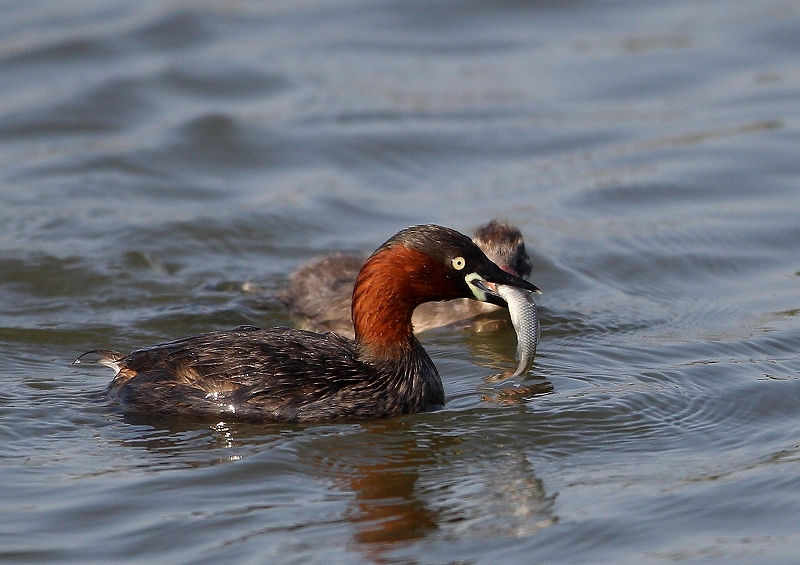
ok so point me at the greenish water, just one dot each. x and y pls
(165, 166)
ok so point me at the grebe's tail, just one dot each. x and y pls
(105, 357)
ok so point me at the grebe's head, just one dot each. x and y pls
(503, 244)
(420, 264)
(438, 263)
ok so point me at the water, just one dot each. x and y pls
(166, 165)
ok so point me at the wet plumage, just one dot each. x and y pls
(256, 374)
(282, 374)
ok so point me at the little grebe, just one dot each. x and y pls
(282, 374)
(319, 293)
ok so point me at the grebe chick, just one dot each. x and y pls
(283, 374)
(320, 292)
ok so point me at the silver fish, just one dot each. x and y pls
(526, 323)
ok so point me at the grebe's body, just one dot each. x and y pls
(254, 374)
(319, 293)
(294, 375)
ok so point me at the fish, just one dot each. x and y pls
(525, 320)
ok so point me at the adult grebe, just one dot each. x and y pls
(319, 293)
(282, 374)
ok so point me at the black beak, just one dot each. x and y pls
(492, 277)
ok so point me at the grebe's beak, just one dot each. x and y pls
(484, 287)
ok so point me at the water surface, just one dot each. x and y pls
(165, 166)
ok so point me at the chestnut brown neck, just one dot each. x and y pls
(391, 284)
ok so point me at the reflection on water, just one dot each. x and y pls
(513, 393)
(497, 496)
(165, 166)
(413, 483)
(401, 481)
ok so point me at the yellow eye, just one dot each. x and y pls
(458, 263)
